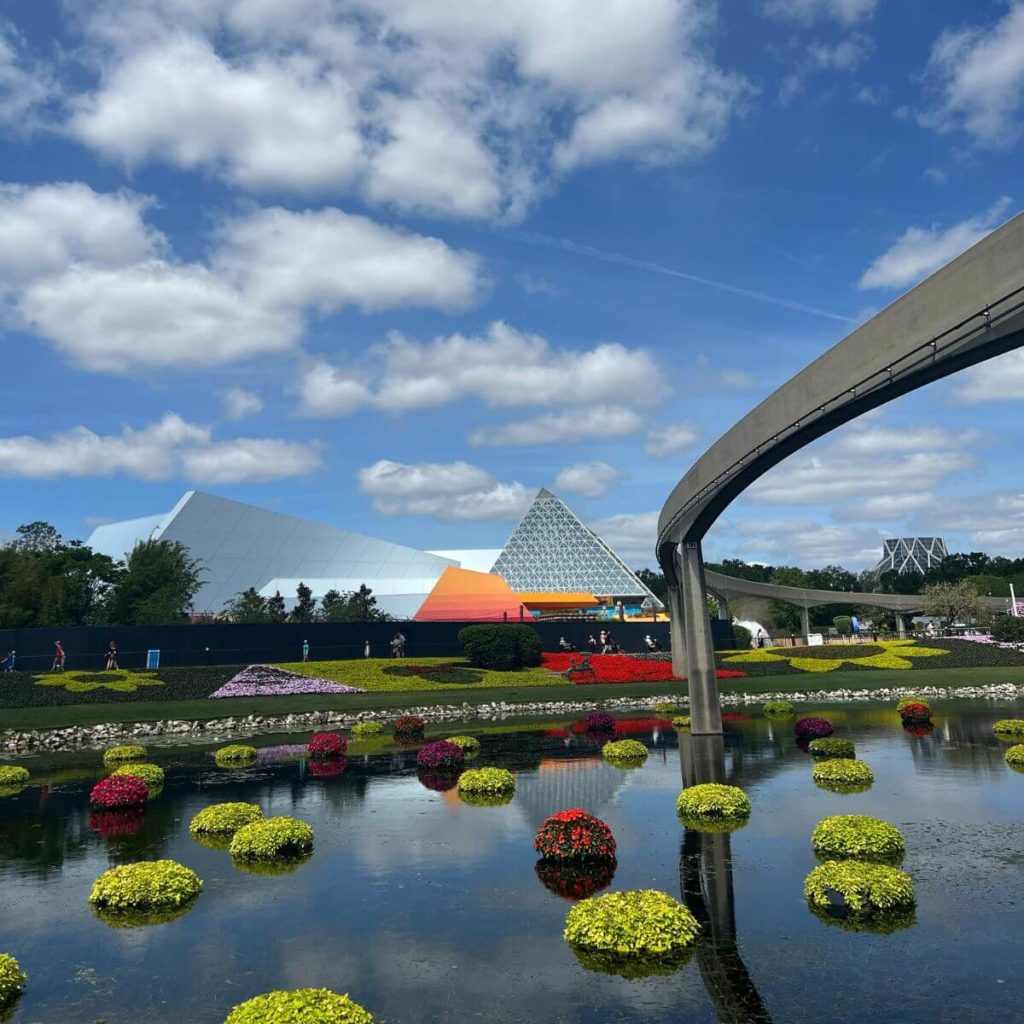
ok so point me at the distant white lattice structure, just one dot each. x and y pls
(552, 552)
(911, 554)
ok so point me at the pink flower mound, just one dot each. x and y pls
(327, 744)
(268, 681)
(119, 791)
(440, 755)
(813, 728)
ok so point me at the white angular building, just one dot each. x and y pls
(911, 554)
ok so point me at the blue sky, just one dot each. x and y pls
(394, 265)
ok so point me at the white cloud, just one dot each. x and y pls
(591, 479)
(710, 376)
(239, 403)
(455, 491)
(85, 272)
(631, 536)
(270, 124)
(846, 12)
(555, 428)
(326, 259)
(999, 378)
(443, 108)
(806, 543)
(170, 447)
(46, 228)
(503, 367)
(870, 441)
(920, 251)
(24, 87)
(844, 56)
(977, 75)
(668, 440)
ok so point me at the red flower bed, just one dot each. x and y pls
(327, 744)
(326, 767)
(576, 880)
(574, 834)
(111, 824)
(918, 728)
(408, 726)
(915, 712)
(440, 756)
(621, 668)
(117, 791)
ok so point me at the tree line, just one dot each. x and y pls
(46, 580)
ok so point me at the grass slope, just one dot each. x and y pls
(147, 711)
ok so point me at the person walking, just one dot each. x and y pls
(305, 650)
(398, 646)
(58, 657)
(366, 648)
(9, 661)
(112, 656)
(592, 644)
(604, 641)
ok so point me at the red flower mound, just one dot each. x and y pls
(918, 728)
(327, 744)
(439, 782)
(621, 668)
(813, 728)
(326, 767)
(408, 725)
(915, 712)
(599, 721)
(111, 824)
(440, 756)
(117, 791)
(576, 880)
(574, 835)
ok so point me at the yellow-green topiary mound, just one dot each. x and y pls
(235, 755)
(470, 744)
(858, 837)
(12, 977)
(361, 730)
(843, 772)
(710, 804)
(1009, 727)
(272, 837)
(147, 885)
(223, 819)
(300, 1006)
(151, 774)
(625, 753)
(667, 708)
(487, 782)
(13, 775)
(1015, 756)
(865, 889)
(634, 933)
(124, 753)
(681, 722)
(832, 746)
(778, 708)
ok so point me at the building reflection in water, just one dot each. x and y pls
(705, 878)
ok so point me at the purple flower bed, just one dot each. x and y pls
(280, 753)
(811, 728)
(440, 755)
(266, 681)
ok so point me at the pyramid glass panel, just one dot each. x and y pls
(911, 554)
(551, 551)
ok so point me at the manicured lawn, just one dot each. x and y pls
(145, 711)
(399, 675)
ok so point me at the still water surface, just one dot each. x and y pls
(424, 909)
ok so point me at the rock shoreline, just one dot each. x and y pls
(36, 741)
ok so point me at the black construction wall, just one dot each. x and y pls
(225, 644)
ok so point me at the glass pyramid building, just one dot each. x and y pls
(551, 551)
(911, 554)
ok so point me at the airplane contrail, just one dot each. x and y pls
(629, 261)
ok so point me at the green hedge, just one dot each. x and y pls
(154, 885)
(272, 837)
(224, 818)
(11, 979)
(858, 837)
(502, 646)
(1008, 629)
(832, 746)
(842, 772)
(867, 889)
(710, 802)
(630, 753)
(309, 1005)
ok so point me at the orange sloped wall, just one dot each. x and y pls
(464, 594)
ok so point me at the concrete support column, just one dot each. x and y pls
(805, 622)
(705, 708)
(676, 629)
(901, 626)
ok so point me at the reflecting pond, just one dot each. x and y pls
(424, 909)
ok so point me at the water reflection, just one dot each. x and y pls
(705, 880)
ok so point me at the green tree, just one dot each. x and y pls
(38, 537)
(305, 604)
(952, 602)
(249, 606)
(159, 581)
(654, 581)
(358, 606)
(332, 606)
(275, 608)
